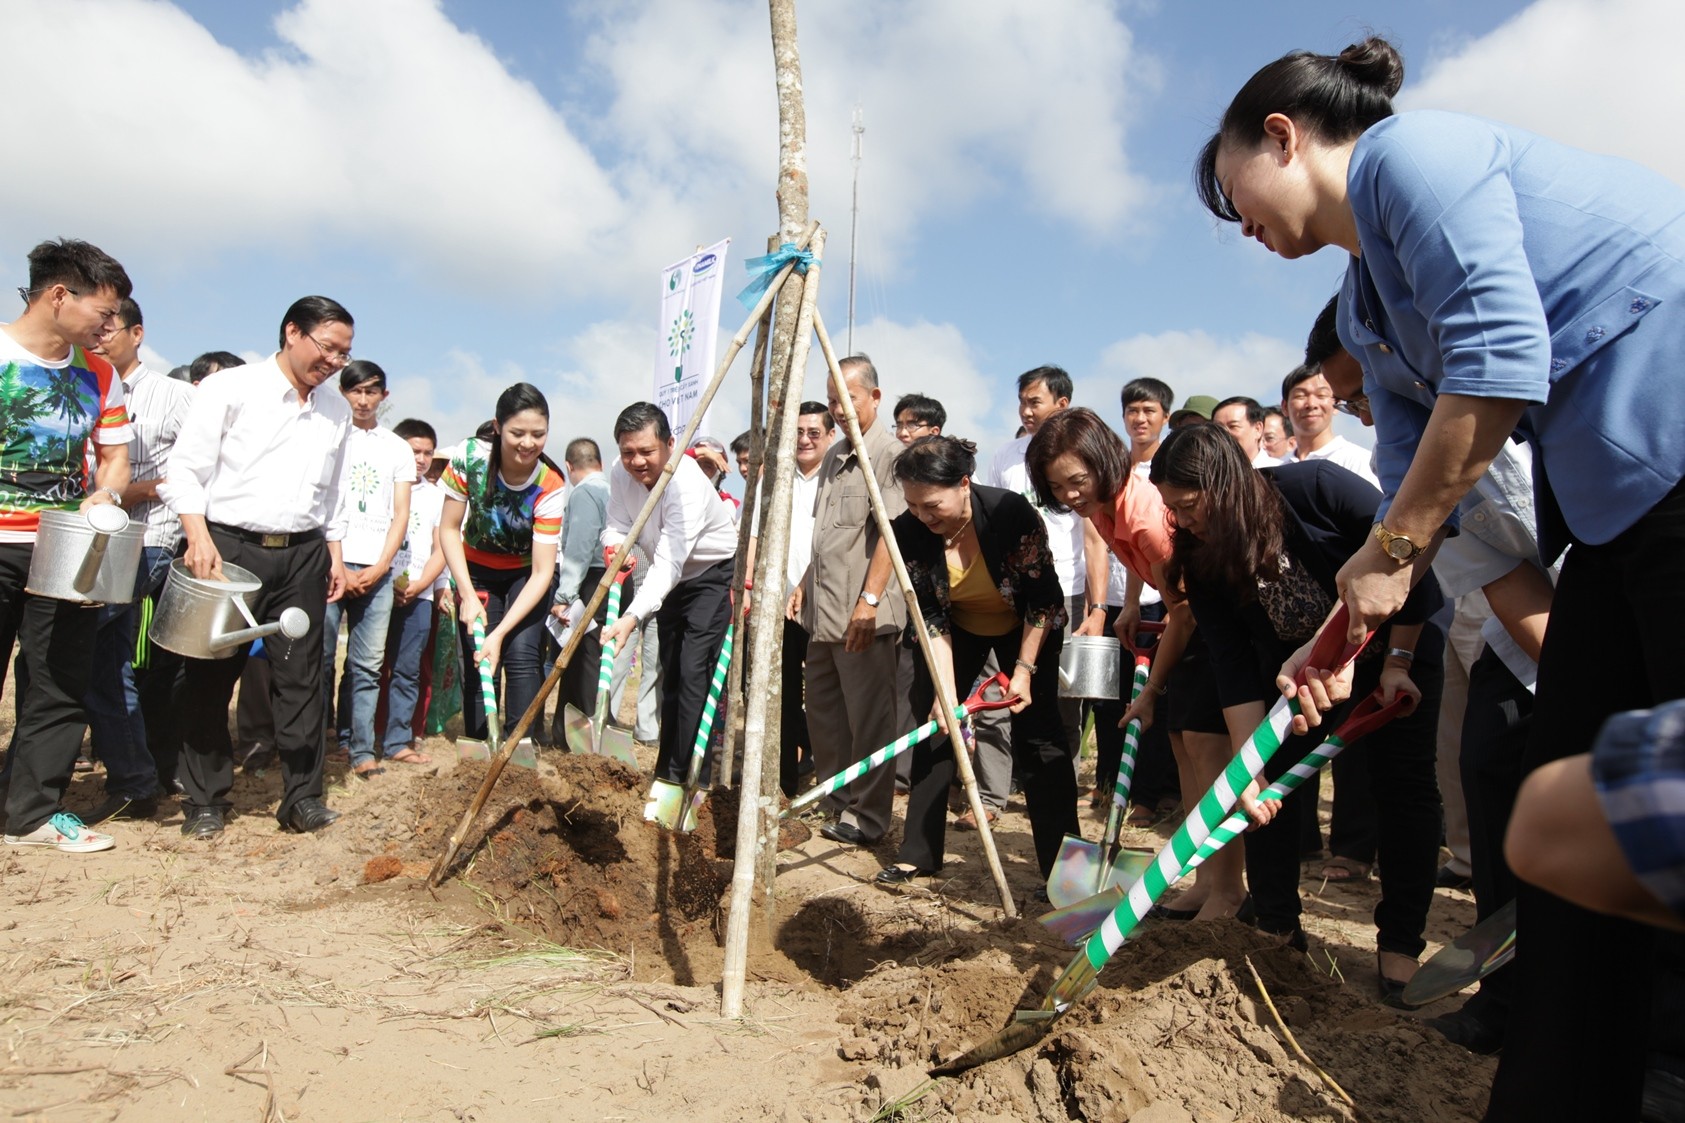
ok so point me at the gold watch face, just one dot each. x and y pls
(1401, 548)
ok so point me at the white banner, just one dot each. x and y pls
(690, 319)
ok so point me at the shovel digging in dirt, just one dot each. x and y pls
(593, 734)
(1466, 960)
(1076, 922)
(1082, 974)
(671, 806)
(981, 699)
(1082, 867)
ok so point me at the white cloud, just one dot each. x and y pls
(1578, 71)
(381, 125)
(932, 359)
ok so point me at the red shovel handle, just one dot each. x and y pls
(1331, 648)
(1369, 715)
(1002, 699)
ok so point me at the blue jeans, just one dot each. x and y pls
(406, 639)
(359, 688)
(115, 723)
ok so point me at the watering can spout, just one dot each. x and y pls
(294, 622)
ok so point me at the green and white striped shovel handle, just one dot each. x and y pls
(980, 699)
(488, 689)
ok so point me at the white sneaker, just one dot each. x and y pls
(65, 832)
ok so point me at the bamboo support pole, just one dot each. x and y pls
(732, 743)
(495, 767)
(962, 758)
(757, 818)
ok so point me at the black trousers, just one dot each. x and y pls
(520, 661)
(691, 622)
(1396, 764)
(578, 687)
(1495, 730)
(1574, 1045)
(57, 637)
(1041, 754)
(792, 715)
(292, 576)
(1155, 764)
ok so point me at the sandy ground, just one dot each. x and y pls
(569, 971)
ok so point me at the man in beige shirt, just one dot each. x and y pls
(843, 602)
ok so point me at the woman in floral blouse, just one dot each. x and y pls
(980, 564)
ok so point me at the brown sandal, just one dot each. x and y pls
(1344, 870)
(409, 755)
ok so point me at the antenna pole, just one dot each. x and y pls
(856, 151)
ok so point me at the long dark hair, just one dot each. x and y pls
(1242, 540)
(517, 399)
(1336, 96)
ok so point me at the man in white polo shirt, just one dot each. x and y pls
(1309, 403)
(255, 479)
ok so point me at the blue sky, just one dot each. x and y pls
(493, 187)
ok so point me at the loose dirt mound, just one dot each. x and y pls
(566, 853)
(1177, 1032)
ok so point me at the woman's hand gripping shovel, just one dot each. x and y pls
(593, 734)
(991, 694)
(1083, 972)
(1084, 868)
(1075, 923)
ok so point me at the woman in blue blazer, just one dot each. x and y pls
(1498, 283)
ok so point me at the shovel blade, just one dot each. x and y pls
(1075, 923)
(1466, 960)
(667, 807)
(1021, 1034)
(577, 729)
(1077, 871)
(617, 744)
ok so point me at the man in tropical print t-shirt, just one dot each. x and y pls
(64, 437)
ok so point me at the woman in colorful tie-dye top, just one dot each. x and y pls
(502, 522)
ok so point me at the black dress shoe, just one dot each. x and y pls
(894, 876)
(116, 807)
(203, 822)
(309, 815)
(1447, 878)
(845, 832)
(1462, 1027)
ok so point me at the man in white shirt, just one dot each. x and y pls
(418, 569)
(1079, 557)
(1278, 435)
(377, 474)
(1243, 417)
(691, 542)
(117, 727)
(45, 356)
(255, 479)
(1309, 404)
(815, 430)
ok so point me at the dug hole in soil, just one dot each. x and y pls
(1177, 1032)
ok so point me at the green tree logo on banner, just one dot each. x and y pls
(678, 341)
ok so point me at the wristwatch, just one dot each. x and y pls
(871, 599)
(1398, 547)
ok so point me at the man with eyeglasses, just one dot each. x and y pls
(917, 415)
(61, 406)
(255, 478)
(1310, 405)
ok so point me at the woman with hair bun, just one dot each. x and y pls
(1501, 283)
(501, 525)
(981, 566)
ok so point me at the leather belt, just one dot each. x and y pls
(266, 539)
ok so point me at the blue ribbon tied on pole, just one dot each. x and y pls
(764, 269)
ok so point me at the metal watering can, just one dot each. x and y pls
(1090, 667)
(203, 619)
(90, 557)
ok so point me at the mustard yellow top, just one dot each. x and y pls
(975, 604)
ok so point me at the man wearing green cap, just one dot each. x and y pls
(1199, 406)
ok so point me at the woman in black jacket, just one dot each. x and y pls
(1257, 551)
(980, 564)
